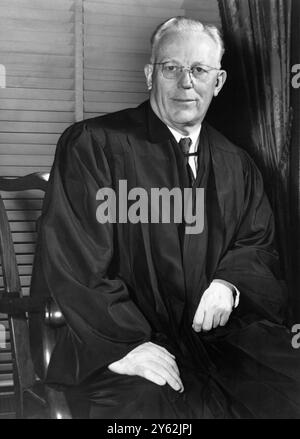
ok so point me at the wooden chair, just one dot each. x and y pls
(30, 390)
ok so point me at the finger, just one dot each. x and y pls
(208, 320)
(162, 349)
(198, 319)
(171, 362)
(224, 318)
(165, 356)
(152, 376)
(167, 373)
(172, 371)
(216, 320)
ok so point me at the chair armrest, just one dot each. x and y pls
(53, 315)
(59, 408)
(53, 319)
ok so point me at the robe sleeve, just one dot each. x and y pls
(75, 254)
(251, 262)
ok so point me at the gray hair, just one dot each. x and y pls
(181, 24)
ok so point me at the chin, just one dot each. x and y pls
(188, 118)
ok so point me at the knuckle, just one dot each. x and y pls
(166, 352)
(174, 364)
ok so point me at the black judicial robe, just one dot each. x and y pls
(120, 285)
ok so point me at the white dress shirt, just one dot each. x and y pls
(194, 136)
(193, 162)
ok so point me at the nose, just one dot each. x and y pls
(185, 79)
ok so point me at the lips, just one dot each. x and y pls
(184, 101)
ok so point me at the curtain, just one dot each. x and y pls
(255, 111)
(295, 151)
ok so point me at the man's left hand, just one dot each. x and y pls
(214, 308)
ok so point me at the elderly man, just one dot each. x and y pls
(162, 323)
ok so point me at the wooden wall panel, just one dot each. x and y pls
(116, 47)
(37, 49)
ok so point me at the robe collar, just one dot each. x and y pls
(157, 130)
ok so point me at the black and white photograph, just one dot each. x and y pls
(149, 212)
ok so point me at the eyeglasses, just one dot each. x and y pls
(173, 71)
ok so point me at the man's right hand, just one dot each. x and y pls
(152, 362)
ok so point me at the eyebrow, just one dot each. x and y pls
(172, 60)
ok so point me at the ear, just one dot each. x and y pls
(148, 70)
(220, 81)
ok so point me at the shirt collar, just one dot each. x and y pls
(194, 136)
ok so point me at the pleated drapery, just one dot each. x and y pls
(257, 37)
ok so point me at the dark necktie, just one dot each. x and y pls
(185, 144)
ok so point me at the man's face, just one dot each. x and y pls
(182, 102)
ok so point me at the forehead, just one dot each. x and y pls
(187, 46)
